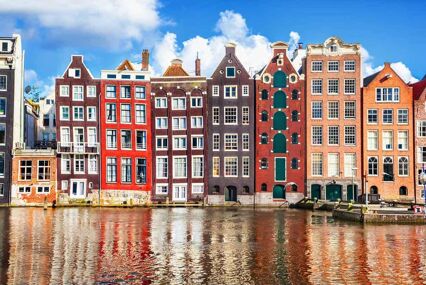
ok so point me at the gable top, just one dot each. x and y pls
(77, 62)
(126, 65)
(384, 74)
(279, 45)
(230, 55)
(175, 69)
(343, 48)
(418, 88)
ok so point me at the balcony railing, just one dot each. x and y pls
(78, 148)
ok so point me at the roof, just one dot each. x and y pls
(175, 69)
(370, 78)
(418, 88)
(126, 65)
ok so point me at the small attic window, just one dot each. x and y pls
(333, 48)
(125, 76)
(140, 77)
(111, 76)
(4, 46)
(230, 71)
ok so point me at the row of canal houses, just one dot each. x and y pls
(307, 124)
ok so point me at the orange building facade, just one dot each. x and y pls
(388, 136)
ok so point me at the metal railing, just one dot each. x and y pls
(78, 147)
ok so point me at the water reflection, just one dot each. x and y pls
(203, 246)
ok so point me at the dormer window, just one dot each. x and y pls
(74, 72)
(230, 72)
(4, 46)
(111, 76)
(333, 48)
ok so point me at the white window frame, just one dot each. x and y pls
(194, 124)
(162, 146)
(193, 166)
(62, 88)
(162, 119)
(174, 147)
(61, 111)
(159, 101)
(215, 90)
(157, 169)
(73, 113)
(74, 87)
(91, 91)
(234, 158)
(245, 90)
(95, 118)
(232, 87)
(174, 166)
(178, 106)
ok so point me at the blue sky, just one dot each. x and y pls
(107, 31)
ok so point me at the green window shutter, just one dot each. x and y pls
(280, 121)
(279, 192)
(280, 99)
(280, 143)
(280, 169)
(280, 79)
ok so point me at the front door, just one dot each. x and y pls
(231, 194)
(78, 189)
(179, 193)
(333, 192)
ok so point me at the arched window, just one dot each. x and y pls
(388, 169)
(373, 166)
(294, 188)
(264, 116)
(280, 79)
(264, 163)
(263, 187)
(280, 143)
(280, 121)
(403, 191)
(295, 94)
(280, 99)
(294, 116)
(374, 190)
(246, 189)
(294, 138)
(264, 94)
(216, 189)
(264, 138)
(294, 163)
(403, 166)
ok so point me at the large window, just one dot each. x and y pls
(230, 142)
(245, 142)
(333, 86)
(333, 109)
(231, 115)
(3, 82)
(373, 166)
(111, 112)
(79, 164)
(25, 168)
(126, 139)
(403, 166)
(372, 117)
(141, 170)
(387, 94)
(2, 134)
(125, 113)
(216, 142)
(387, 137)
(160, 103)
(179, 103)
(350, 109)
(125, 91)
(179, 167)
(197, 122)
(93, 164)
(317, 110)
(140, 113)
(350, 135)
(43, 170)
(421, 154)
(162, 167)
(333, 66)
(316, 86)
(197, 166)
(316, 164)
(349, 65)
(387, 116)
(372, 140)
(402, 116)
(111, 138)
(64, 90)
(91, 113)
(317, 135)
(92, 136)
(333, 165)
(316, 66)
(3, 106)
(246, 166)
(350, 86)
(126, 170)
(388, 169)
(179, 123)
(333, 135)
(77, 93)
(421, 128)
(403, 140)
(230, 92)
(179, 142)
(231, 166)
(350, 164)
(216, 115)
(141, 139)
(78, 113)
(196, 102)
(111, 169)
(65, 163)
(161, 123)
(162, 143)
(111, 91)
(230, 72)
(245, 116)
(216, 166)
(1, 164)
(197, 142)
(140, 92)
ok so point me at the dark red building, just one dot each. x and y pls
(125, 133)
(280, 130)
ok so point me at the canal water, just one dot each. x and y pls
(204, 246)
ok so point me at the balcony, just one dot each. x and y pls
(78, 148)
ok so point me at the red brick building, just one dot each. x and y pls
(280, 130)
(125, 123)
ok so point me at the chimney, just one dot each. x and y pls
(230, 48)
(145, 59)
(197, 66)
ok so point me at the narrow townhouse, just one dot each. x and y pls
(46, 125)
(179, 135)
(126, 133)
(333, 123)
(231, 132)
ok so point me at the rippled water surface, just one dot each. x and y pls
(203, 246)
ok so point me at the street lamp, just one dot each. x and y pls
(353, 182)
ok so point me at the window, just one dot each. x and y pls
(215, 90)
(264, 187)
(46, 120)
(2, 134)
(179, 167)
(403, 191)
(196, 102)
(91, 113)
(264, 163)
(333, 66)
(373, 166)
(316, 164)
(316, 86)
(333, 48)
(230, 72)
(294, 163)
(230, 92)
(294, 138)
(25, 168)
(161, 189)
(231, 117)
(43, 189)
(264, 138)
(350, 134)
(294, 94)
(245, 90)
(197, 122)
(126, 139)
(20, 190)
(372, 117)
(77, 93)
(162, 143)
(43, 170)
(333, 165)
(403, 140)
(1, 164)
(92, 137)
(140, 140)
(245, 166)
(126, 170)
(421, 128)
(333, 86)
(198, 188)
(111, 76)
(231, 166)
(264, 95)
(316, 110)
(160, 103)
(264, 116)
(161, 123)
(316, 66)
(388, 169)
(179, 123)
(245, 142)
(93, 164)
(387, 116)
(179, 142)
(350, 110)
(216, 142)
(162, 167)
(140, 92)
(125, 91)
(333, 110)
(216, 167)
(387, 94)
(245, 120)
(64, 90)
(216, 115)
(197, 166)
(111, 112)
(403, 166)
(65, 136)
(372, 140)
(350, 164)
(3, 107)
(179, 104)
(294, 116)
(350, 86)
(317, 135)
(230, 142)
(333, 135)
(140, 113)
(402, 116)
(91, 91)
(421, 155)
(111, 139)
(78, 113)
(140, 171)
(197, 142)
(125, 113)
(111, 91)
(65, 163)
(387, 140)
(349, 65)
(111, 169)
(79, 163)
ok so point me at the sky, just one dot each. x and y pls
(109, 31)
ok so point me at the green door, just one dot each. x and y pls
(280, 121)
(280, 99)
(280, 169)
(333, 192)
(280, 79)
(315, 191)
(352, 195)
(280, 143)
(279, 192)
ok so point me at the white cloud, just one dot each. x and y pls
(294, 40)
(116, 23)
